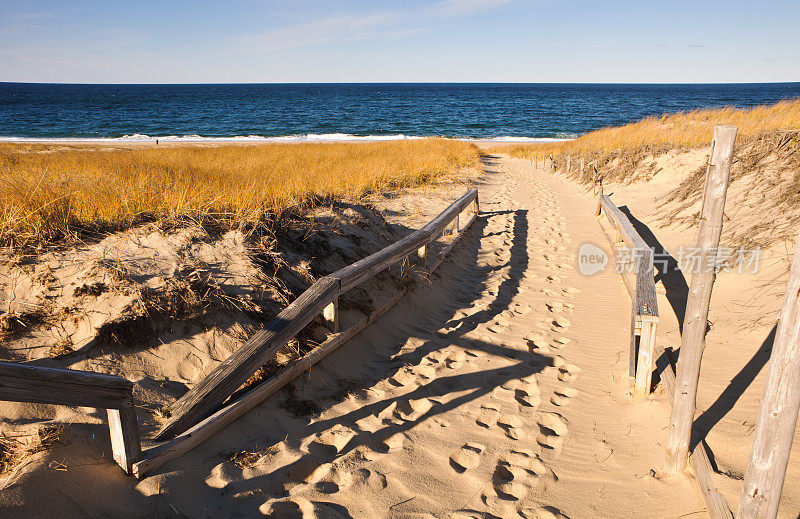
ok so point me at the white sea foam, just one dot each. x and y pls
(311, 137)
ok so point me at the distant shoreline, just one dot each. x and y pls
(333, 138)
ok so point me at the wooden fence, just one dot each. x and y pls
(200, 413)
(634, 260)
(777, 418)
(26, 383)
(635, 264)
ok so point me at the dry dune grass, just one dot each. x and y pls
(15, 450)
(52, 192)
(684, 129)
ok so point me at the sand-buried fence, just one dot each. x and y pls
(26, 383)
(637, 273)
(197, 415)
(203, 414)
(638, 279)
(775, 426)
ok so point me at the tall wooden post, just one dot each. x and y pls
(696, 318)
(772, 441)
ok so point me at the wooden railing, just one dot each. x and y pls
(27, 383)
(637, 274)
(199, 413)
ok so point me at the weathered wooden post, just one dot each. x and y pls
(696, 318)
(581, 177)
(772, 441)
(126, 447)
(567, 171)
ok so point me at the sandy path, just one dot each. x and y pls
(505, 391)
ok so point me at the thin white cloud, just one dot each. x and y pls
(336, 29)
(464, 7)
(351, 28)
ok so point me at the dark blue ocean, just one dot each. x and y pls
(336, 111)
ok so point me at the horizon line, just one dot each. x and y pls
(401, 83)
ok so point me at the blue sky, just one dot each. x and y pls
(406, 41)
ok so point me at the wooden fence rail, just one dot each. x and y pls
(637, 275)
(26, 383)
(209, 394)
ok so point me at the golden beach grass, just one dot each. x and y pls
(684, 129)
(52, 191)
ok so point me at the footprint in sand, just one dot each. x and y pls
(412, 410)
(223, 474)
(455, 359)
(560, 341)
(372, 479)
(425, 372)
(488, 415)
(404, 377)
(299, 507)
(527, 393)
(393, 442)
(555, 306)
(496, 328)
(509, 482)
(568, 373)
(387, 412)
(561, 397)
(562, 322)
(512, 425)
(552, 429)
(369, 423)
(467, 457)
(334, 439)
(522, 309)
(531, 462)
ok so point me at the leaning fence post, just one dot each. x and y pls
(777, 417)
(123, 426)
(696, 318)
